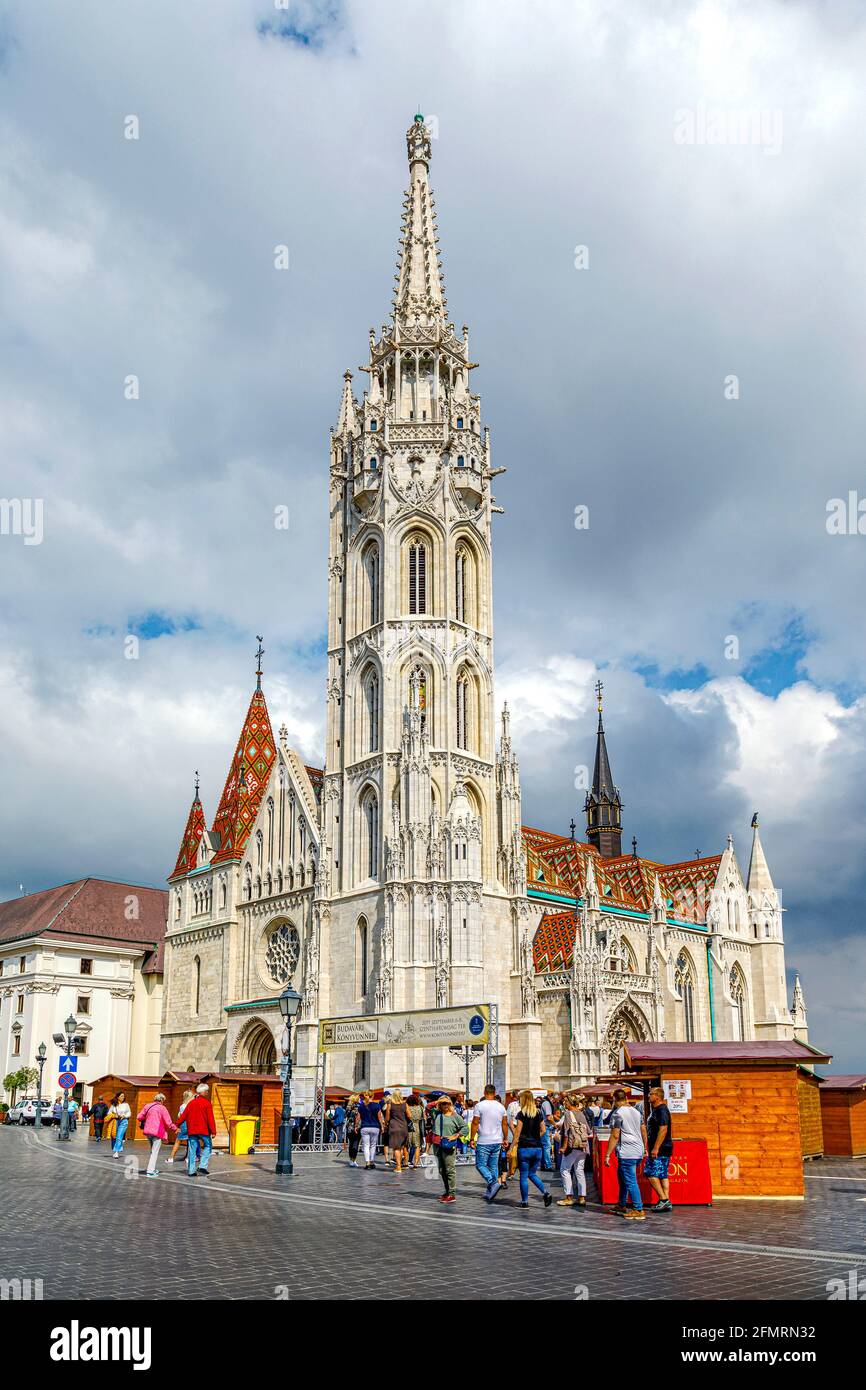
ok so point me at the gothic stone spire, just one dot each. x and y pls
(419, 291)
(603, 805)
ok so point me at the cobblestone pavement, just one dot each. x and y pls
(95, 1228)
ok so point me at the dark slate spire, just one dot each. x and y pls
(603, 805)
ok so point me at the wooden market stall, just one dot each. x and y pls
(139, 1091)
(231, 1093)
(843, 1113)
(754, 1103)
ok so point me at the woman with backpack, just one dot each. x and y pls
(353, 1130)
(156, 1122)
(574, 1149)
(448, 1128)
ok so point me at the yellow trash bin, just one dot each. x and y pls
(242, 1133)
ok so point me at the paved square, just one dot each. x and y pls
(93, 1227)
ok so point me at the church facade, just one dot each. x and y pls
(400, 876)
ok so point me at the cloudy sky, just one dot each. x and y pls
(697, 384)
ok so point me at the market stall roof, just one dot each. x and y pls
(773, 1052)
(843, 1083)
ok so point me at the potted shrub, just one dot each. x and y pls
(4, 1111)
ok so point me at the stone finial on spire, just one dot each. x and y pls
(418, 141)
(419, 295)
(758, 879)
(658, 900)
(347, 420)
(798, 1010)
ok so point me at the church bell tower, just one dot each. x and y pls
(414, 832)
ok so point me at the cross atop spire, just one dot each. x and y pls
(599, 687)
(196, 784)
(259, 654)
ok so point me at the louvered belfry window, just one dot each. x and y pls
(417, 577)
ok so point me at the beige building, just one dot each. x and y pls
(400, 876)
(90, 950)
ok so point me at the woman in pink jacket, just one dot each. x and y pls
(156, 1122)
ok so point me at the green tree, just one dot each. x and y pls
(20, 1080)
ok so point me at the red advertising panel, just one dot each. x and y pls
(688, 1174)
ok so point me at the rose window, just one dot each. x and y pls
(283, 953)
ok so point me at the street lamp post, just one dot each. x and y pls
(41, 1054)
(70, 1025)
(290, 1002)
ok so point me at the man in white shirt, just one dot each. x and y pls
(488, 1133)
(628, 1136)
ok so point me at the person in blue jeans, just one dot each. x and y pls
(488, 1134)
(529, 1131)
(122, 1113)
(628, 1137)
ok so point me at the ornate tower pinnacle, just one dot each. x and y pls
(603, 805)
(419, 294)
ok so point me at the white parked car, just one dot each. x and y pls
(23, 1112)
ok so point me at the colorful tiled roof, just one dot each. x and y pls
(553, 946)
(245, 785)
(188, 853)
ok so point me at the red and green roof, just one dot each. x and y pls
(187, 856)
(245, 785)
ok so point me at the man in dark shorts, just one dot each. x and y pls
(660, 1146)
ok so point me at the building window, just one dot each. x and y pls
(460, 586)
(685, 986)
(418, 692)
(22, 965)
(16, 1045)
(82, 1004)
(370, 845)
(283, 953)
(371, 701)
(738, 1007)
(371, 569)
(374, 424)
(417, 576)
(361, 963)
(461, 462)
(1, 969)
(362, 1069)
(462, 705)
(19, 1004)
(196, 985)
(86, 967)
(79, 1045)
(459, 422)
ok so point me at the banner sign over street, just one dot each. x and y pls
(460, 1027)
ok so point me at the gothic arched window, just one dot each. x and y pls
(418, 692)
(738, 1005)
(361, 958)
(370, 835)
(461, 583)
(371, 710)
(462, 710)
(270, 830)
(371, 567)
(248, 883)
(684, 980)
(196, 984)
(418, 575)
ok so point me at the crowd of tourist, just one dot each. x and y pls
(526, 1135)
